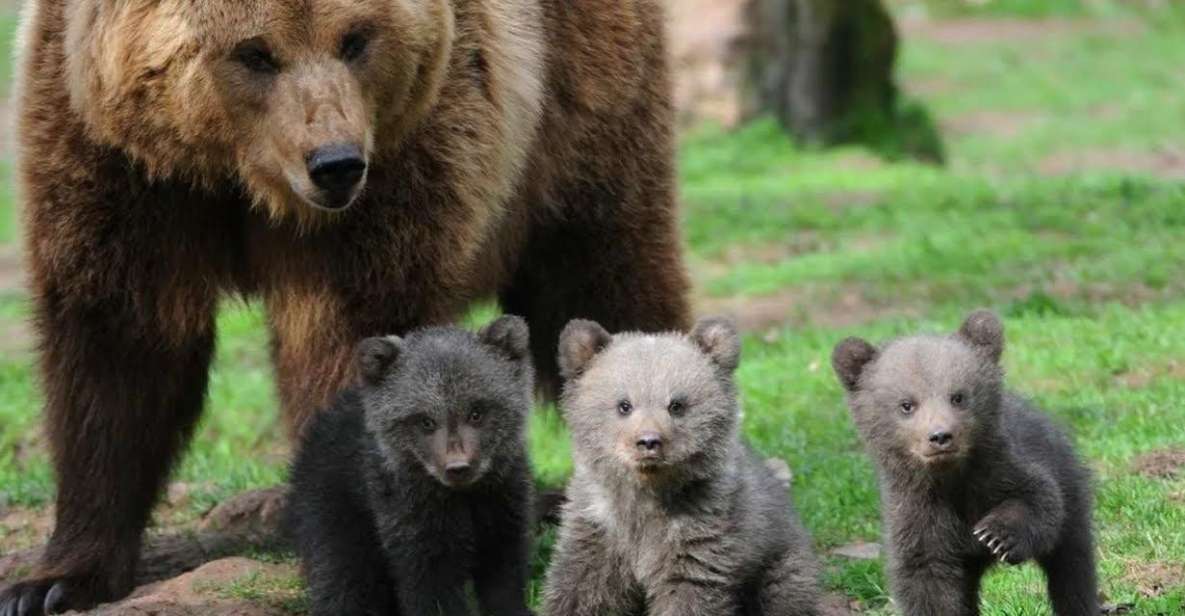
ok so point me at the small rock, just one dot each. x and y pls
(1117, 608)
(781, 470)
(859, 551)
(255, 514)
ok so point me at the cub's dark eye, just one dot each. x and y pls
(908, 407)
(255, 55)
(427, 424)
(957, 399)
(354, 45)
(475, 416)
(624, 408)
(676, 407)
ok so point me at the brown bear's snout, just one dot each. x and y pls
(337, 171)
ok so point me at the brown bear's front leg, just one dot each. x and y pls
(124, 377)
(312, 347)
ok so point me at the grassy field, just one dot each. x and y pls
(1062, 206)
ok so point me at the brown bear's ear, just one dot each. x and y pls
(580, 341)
(375, 356)
(509, 335)
(718, 337)
(849, 359)
(984, 331)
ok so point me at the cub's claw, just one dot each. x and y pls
(1001, 546)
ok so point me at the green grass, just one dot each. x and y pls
(1087, 268)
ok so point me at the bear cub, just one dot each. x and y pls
(416, 482)
(668, 513)
(970, 473)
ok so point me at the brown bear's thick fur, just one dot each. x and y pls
(520, 149)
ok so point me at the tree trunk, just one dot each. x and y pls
(819, 65)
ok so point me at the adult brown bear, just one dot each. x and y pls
(363, 166)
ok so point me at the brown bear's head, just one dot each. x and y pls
(289, 98)
(926, 401)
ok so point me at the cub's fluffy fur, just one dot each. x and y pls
(970, 473)
(417, 481)
(669, 513)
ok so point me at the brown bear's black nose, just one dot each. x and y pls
(649, 442)
(941, 439)
(337, 169)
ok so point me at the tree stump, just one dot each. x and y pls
(817, 65)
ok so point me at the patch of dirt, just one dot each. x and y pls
(859, 551)
(22, 528)
(12, 272)
(1146, 375)
(1154, 579)
(1165, 163)
(1006, 124)
(1161, 464)
(231, 586)
(767, 253)
(846, 200)
(978, 30)
(703, 38)
(842, 305)
(835, 604)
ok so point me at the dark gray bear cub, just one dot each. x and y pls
(669, 514)
(970, 473)
(417, 482)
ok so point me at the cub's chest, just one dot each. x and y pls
(643, 536)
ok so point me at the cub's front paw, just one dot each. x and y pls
(1001, 541)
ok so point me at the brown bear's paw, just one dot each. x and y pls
(1003, 542)
(47, 596)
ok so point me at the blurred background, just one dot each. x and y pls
(847, 167)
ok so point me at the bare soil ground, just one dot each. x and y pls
(975, 30)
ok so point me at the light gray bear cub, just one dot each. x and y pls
(668, 513)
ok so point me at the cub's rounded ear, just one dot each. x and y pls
(984, 331)
(580, 341)
(718, 337)
(849, 359)
(375, 356)
(509, 335)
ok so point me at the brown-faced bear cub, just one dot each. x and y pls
(969, 472)
(669, 514)
(417, 482)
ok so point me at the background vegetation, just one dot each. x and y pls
(1062, 205)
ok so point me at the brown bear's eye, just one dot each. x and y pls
(428, 424)
(676, 407)
(957, 399)
(354, 45)
(475, 416)
(624, 408)
(255, 55)
(907, 407)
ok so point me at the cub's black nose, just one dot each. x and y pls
(941, 439)
(337, 169)
(649, 442)
(457, 471)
